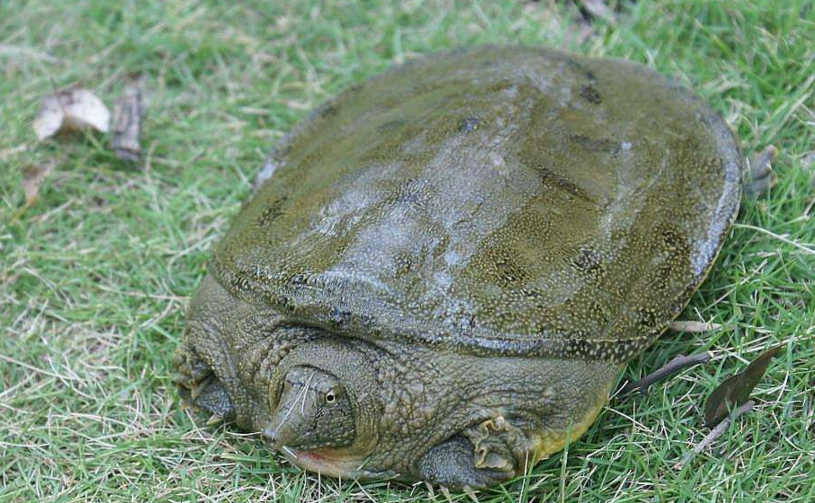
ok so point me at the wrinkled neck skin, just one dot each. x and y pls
(408, 399)
(401, 398)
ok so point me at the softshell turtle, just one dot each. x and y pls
(450, 264)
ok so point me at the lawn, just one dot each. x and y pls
(95, 276)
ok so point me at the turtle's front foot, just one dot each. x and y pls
(199, 387)
(483, 455)
(760, 177)
(452, 464)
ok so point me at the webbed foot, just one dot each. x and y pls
(486, 454)
(199, 387)
(452, 464)
(760, 177)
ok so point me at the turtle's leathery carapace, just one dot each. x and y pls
(451, 262)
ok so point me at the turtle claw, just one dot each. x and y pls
(214, 420)
(446, 492)
(200, 387)
(451, 463)
(469, 492)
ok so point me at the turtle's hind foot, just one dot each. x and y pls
(760, 177)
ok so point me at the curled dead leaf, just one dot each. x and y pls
(71, 109)
(33, 176)
(735, 391)
(127, 120)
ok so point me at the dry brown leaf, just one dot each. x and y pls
(693, 326)
(598, 8)
(33, 176)
(73, 108)
(127, 119)
(736, 390)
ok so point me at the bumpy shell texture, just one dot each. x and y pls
(495, 201)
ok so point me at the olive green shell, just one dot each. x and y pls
(505, 200)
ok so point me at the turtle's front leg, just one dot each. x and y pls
(483, 455)
(198, 385)
(452, 464)
(759, 177)
(220, 331)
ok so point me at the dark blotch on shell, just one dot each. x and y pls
(468, 124)
(591, 94)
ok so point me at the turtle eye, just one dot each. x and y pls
(332, 395)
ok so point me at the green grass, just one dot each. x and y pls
(95, 276)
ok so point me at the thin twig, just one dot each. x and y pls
(693, 326)
(672, 367)
(17, 51)
(715, 433)
(776, 236)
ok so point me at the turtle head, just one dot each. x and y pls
(313, 412)
(324, 403)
